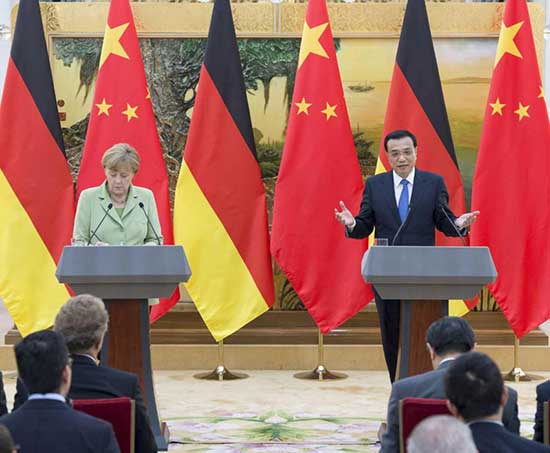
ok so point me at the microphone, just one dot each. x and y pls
(109, 206)
(401, 227)
(454, 226)
(142, 206)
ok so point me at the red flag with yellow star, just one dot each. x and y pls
(122, 113)
(511, 186)
(319, 167)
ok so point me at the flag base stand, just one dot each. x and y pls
(516, 374)
(320, 373)
(220, 373)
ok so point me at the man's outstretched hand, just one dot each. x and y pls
(345, 217)
(465, 220)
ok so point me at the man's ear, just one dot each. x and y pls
(430, 351)
(452, 409)
(474, 347)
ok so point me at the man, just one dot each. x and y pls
(45, 423)
(477, 395)
(82, 321)
(441, 434)
(405, 206)
(543, 394)
(446, 339)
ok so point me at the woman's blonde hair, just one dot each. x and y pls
(121, 153)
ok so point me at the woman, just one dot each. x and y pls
(117, 212)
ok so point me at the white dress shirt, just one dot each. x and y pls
(399, 187)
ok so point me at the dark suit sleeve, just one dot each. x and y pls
(539, 415)
(364, 222)
(510, 418)
(390, 439)
(441, 221)
(145, 441)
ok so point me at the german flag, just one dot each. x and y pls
(416, 103)
(220, 212)
(36, 188)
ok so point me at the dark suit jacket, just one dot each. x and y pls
(50, 426)
(543, 394)
(431, 385)
(379, 210)
(90, 381)
(493, 438)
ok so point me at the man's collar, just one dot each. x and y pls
(47, 396)
(86, 356)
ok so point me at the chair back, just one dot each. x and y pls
(412, 411)
(119, 412)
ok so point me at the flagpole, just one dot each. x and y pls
(320, 373)
(220, 373)
(516, 374)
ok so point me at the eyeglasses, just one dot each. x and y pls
(404, 153)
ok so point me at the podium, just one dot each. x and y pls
(125, 277)
(423, 278)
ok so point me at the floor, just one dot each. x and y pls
(271, 411)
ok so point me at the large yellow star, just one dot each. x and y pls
(310, 42)
(103, 108)
(111, 43)
(497, 107)
(506, 42)
(303, 106)
(130, 112)
(329, 111)
(521, 112)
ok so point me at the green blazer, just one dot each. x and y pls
(131, 229)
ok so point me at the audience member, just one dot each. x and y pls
(45, 423)
(6, 442)
(446, 339)
(543, 394)
(477, 395)
(441, 434)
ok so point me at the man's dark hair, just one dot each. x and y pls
(474, 385)
(398, 134)
(450, 334)
(41, 358)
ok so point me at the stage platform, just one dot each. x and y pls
(286, 340)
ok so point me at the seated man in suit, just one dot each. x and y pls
(82, 321)
(543, 394)
(477, 395)
(441, 434)
(446, 339)
(45, 423)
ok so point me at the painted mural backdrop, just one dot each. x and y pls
(269, 65)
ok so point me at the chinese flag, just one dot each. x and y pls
(122, 113)
(36, 187)
(220, 213)
(319, 167)
(511, 186)
(416, 103)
